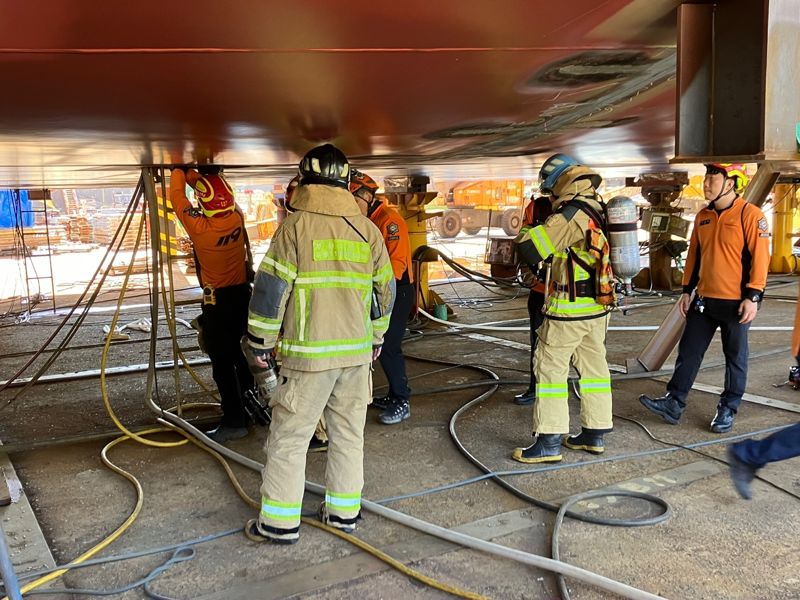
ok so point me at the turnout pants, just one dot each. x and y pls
(700, 328)
(302, 398)
(535, 305)
(582, 341)
(224, 324)
(392, 360)
(780, 445)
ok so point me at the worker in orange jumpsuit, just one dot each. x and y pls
(726, 268)
(395, 406)
(536, 213)
(217, 230)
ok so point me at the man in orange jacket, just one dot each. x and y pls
(727, 270)
(395, 405)
(217, 230)
(536, 213)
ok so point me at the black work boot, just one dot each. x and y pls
(262, 533)
(526, 398)
(225, 433)
(723, 420)
(665, 407)
(742, 475)
(381, 403)
(317, 445)
(590, 440)
(395, 413)
(546, 448)
(340, 523)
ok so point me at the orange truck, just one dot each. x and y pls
(471, 206)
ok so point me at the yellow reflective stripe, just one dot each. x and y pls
(343, 500)
(384, 274)
(322, 282)
(551, 390)
(263, 323)
(325, 349)
(302, 298)
(341, 250)
(279, 266)
(581, 305)
(542, 241)
(595, 385)
(280, 511)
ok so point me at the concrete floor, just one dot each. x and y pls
(713, 546)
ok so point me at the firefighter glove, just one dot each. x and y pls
(263, 367)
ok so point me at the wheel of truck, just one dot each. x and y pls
(511, 221)
(470, 230)
(449, 224)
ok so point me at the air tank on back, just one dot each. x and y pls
(623, 238)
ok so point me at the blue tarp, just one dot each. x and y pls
(9, 209)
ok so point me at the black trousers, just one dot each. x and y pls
(391, 358)
(780, 445)
(535, 305)
(224, 324)
(700, 328)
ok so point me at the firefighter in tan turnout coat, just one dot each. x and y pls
(327, 287)
(576, 313)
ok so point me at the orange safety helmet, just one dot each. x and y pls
(214, 194)
(735, 171)
(365, 188)
(361, 181)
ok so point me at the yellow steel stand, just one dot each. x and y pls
(411, 206)
(785, 202)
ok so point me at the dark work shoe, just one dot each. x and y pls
(525, 398)
(340, 523)
(665, 407)
(277, 536)
(224, 433)
(395, 413)
(317, 445)
(723, 420)
(381, 403)
(546, 448)
(741, 474)
(589, 440)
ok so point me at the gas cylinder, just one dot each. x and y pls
(622, 237)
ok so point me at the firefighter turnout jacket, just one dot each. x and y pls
(219, 241)
(316, 284)
(395, 234)
(573, 290)
(728, 253)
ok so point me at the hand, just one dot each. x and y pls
(261, 360)
(747, 311)
(376, 352)
(684, 302)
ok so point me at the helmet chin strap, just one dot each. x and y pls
(373, 206)
(722, 193)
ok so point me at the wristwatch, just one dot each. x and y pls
(754, 297)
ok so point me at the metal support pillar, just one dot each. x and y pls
(411, 206)
(784, 204)
(151, 204)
